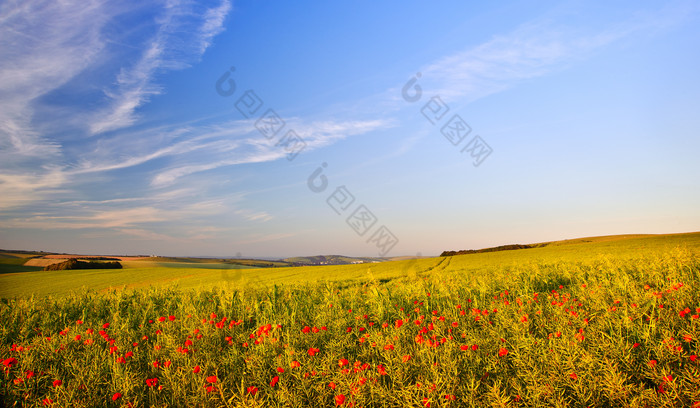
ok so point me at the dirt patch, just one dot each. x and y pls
(68, 256)
(43, 262)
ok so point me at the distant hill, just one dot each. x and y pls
(565, 242)
(331, 260)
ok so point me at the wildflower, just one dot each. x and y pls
(573, 376)
(47, 401)
(196, 369)
(274, 381)
(502, 352)
(116, 396)
(280, 370)
(405, 358)
(57, 383)
(332, 385)
(151, 382)
(339, 399)
(343, 362)
(381, 370)
(210, 388)
(252, 390)
(212, 379)
(294, 364)
(652, 363)
(9, 362)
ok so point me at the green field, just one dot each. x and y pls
(208, 274)
(604, 322)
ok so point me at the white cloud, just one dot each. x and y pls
(184, 33)
(43, 44)
(532, 50)
(255, 148)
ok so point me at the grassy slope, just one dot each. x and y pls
(138, 274)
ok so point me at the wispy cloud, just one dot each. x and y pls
(184, 33)
(532, 50)
(22, 189)
(43, 44)
(255, 148)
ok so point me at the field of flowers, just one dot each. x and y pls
(603, 332)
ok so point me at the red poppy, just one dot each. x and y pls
(405, 358)
(196, 369)
(652, 363)
(151, 382)
(464, 347)
(502, 351)
(574, 376)
(57, 383)
(332, 385)
(47, 401)
(294, 364)
(212, 379)
(343, 362)
(381, 370)
(252, 390)
(116, 396)
(280, 369)
(312, 351)
(274, 381)
(210, 388)
(339, 399)
(10, 362)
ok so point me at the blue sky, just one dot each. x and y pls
(114, 137)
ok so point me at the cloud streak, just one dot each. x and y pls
(184, 33)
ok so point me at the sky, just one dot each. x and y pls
(275, 129)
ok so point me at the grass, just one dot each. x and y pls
(612, 322)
